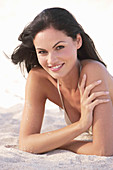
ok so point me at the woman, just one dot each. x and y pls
(64, 67)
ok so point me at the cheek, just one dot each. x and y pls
(71, 54)
(42, 61)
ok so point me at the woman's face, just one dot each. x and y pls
(56, 52)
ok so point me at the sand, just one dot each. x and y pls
(12, 159)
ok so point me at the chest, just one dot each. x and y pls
(71, 104)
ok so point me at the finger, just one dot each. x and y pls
(95, 95)
(82, 85)
(88, 89)
(97, 102)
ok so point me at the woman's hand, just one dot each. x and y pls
(89, 101)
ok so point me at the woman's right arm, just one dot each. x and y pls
(30, 138)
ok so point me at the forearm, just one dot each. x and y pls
(84, 147)
(40, 143)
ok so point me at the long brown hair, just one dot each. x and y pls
(59, 19)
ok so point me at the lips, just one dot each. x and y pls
(56, 67)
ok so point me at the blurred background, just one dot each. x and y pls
(96, 17)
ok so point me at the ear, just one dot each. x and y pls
(78, 41)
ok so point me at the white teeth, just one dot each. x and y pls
(56, 66)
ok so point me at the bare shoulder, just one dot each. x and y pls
(94, 71)
(37, 74)
(91, 67)
(41, 84)
(36, 82)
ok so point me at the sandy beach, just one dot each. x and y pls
(12, 158)
(12, 85)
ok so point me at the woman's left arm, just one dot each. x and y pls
(102, 143)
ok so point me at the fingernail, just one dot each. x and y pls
(84, 76)
(107, 92)
(99, 81)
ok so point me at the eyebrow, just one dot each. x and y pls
(52, 47)
(57, 43)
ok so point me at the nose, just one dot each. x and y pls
(51, 59)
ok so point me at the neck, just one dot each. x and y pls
(70, 81)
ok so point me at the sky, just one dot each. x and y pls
(95, 16)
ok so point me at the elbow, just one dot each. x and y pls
(103, 151)
(29, 150)
(26, 145)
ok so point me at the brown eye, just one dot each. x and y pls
(59, 47)
(42, 52)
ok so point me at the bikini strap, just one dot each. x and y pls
(65, 113)
(58, 87)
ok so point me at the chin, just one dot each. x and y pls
(57, 76)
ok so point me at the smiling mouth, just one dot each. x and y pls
(56, 68)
